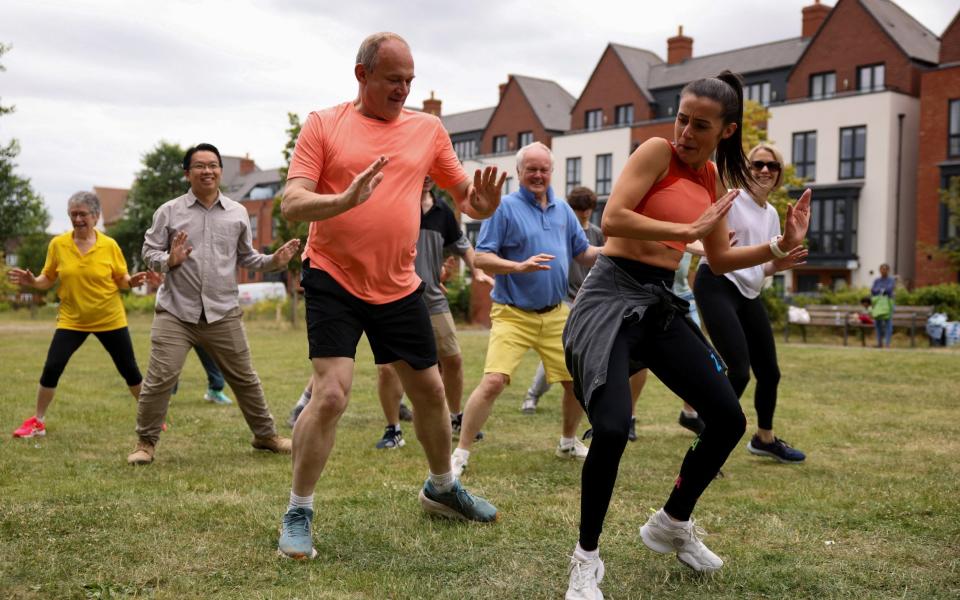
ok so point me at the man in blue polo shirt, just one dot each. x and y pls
(528, 244)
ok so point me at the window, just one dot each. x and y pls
(499, 144)
(833, 224)
(524, 138)
(508, 185)
(853, 151)
(758, 92)
(253, 228)
(573, 173)
(624, 114)
(805, 154)
(604, 174)
(948, 229)
(808, 283)
(594, 119)
(823, 85)
(264, 191)
(870, 78)
(12, 259)
(953, 137)
(465, 149)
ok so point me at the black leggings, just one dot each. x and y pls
(740, 331)
(66, 341)
(689, 368)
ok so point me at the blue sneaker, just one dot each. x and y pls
(392, 439)
(295, 540)
(458, 503)
(778, 449)
(217, 397)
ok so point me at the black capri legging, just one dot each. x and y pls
(66, 341)
(739, 328)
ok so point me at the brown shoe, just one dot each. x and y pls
(274, 443)
(142, 454)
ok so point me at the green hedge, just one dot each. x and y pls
(944, 297)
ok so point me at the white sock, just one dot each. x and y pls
(443, 482)
(39, 418)
(461, 453)
(566, 442)
(692, 414)
(585, 555)
(300, 501)
(304, 398)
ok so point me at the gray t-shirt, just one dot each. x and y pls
(439, 234)
(577, 271)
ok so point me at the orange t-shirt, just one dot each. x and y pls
(681, 196)
(370, 249)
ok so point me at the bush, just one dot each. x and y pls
(135, 304)
(458, 295)
(775, 305)
(944, 297)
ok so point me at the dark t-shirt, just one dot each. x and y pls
(439, 233)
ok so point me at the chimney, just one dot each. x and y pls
(679, 48)
(247, 165)
(431, 105)
(813, 17)
(503, 89)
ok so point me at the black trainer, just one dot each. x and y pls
(777, 449)
(694, 424)
(456, 421)
(392, 439)
(405, 413)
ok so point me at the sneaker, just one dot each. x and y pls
(456, 421)
(217, 397)
(295, 540)
(458, 503)
(576, 450)
(663, 535)
(587, 434)
(142, 454)
(458, 464)
(529, 405)
(405, 413)
(392, 439)
(30, 428)
(585, 578)
(274, 443)
(632, 432)
(694, 424)
(778, 449)
(294, 415)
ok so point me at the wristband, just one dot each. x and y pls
(775, 248)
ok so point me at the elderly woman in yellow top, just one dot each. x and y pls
(92, 272)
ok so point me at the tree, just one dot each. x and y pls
(950, 197)
(22, 211)
(755, 117)
(285, 229)
(160, 179)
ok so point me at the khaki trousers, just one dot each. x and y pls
(226, 341)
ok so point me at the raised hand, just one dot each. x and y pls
(797, 256)
(137, 279)
(481, 276)
(179, 249)
(534, 263)
(283, 254)
(155, 279)
(21, 277)
(712, 216)
(797, 221)
(363, 184)
(485, 194)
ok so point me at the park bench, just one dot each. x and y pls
(845, 316)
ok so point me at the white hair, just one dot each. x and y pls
(523, 151)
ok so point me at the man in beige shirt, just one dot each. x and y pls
(198, 240)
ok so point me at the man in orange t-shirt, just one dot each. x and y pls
(356, 175)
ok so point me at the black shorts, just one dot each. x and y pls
(398, 330)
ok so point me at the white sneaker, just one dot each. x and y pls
(529, 405)
(576, 450)
(585, 578)
(458, 463)
(660, 534)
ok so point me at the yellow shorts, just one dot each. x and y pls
(445, 333)
(514, 331)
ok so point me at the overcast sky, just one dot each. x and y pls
(97, 83)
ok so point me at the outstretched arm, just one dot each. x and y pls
(27, 279)
(301, 203)
(491, 263)
(479, 199)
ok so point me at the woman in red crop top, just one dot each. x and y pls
(625, 318)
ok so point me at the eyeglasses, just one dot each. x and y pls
(78, 214)
(771, 166)
(204, 167)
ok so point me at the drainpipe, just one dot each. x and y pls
(896, 231)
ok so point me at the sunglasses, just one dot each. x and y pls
(771, 165)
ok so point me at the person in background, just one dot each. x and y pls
(882, 307)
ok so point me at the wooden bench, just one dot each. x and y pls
(845, 316)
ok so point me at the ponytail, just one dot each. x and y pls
(727, 90)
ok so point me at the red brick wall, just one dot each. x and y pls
(263, 209)
(610, 86)
(513, 115)
(937, 88)
(950, 42)
(851, 37)
(640, 134)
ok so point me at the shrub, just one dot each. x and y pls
(458, 295)
(135, 304)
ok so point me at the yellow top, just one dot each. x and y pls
(89, 295)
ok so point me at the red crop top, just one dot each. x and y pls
(681, 196)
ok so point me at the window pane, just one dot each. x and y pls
(863, 78)
(812, 147)
(846, 144)
(816, 86)
(827, 215)
(814, 217)
(858, 168)
(955, 116)
(830, 86)
(846, 170)
(878, 76)
(798, 153)
(765, 93)
(860, 140)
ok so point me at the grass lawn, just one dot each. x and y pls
(873, 513)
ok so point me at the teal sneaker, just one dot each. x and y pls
(217, 397)
(295, 540)
(458, 503)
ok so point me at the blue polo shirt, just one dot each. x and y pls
(520, 229)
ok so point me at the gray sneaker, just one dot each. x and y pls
(529, 405)
(458, 504)
(295, 539)
(660, 534)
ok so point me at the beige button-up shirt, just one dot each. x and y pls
(206, 282)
